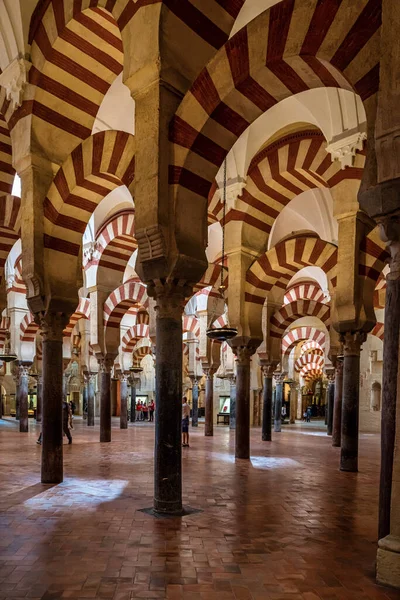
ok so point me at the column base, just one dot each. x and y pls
(349, 465)
(266, 438)
(388, 561)
(163, 507)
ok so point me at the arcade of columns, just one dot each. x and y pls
(118, 118)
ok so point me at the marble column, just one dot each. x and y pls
(52, 326)
(293, 402)
(170, 300)
(133, 399)
(90, 399)
(195, 401)
(268, 372)
(352, 342)
(209, 402)
(279, 379)
(337, 404)
(114, 395)
(123, 417)
(84, 400)
(330, 401)
(22, 390)
(39, 398)
(243, 356)
(105, 366)
(232, 416)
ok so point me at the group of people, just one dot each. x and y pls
(145, 412)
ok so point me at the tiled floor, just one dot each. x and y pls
(284, 526)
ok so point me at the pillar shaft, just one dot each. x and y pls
(22, 391)
(114, 395)
(195, 403)
(267, 405)
(209, 403)
(84, 399)
(337, 407)
(232, 417)
(105, 400)
(39, 399)
(168, 416)
(123, 417)
(90, 401)
(293, 399)
(350, 401)
(133, 400)
(52, 432)
(279, 377)
(331, 401)
(242, 440)
(17, 399)
(389, 398)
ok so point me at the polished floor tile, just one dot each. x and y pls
(285, 525)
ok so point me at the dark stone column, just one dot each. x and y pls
(195, 402)
(90, 399)
(39, 398)
(52, 326)
(389, 398)
(337, 408)
(22, 390)
(114, 396)
(84, 400)
(209, 402)
(331, 400)
(293, 402)
(242, 441)
(105, 365)
(279, 378)
(133, 399)
(123, 418)
(170, 300)
(268, 371)
(232, 417)
(352, 343)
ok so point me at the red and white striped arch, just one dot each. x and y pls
(139, 353)
(267, 61)
(289, 313)
(212, 278)
(380, 292)
(305, 290)
(309, 374)
(379, 331)
(116, 242)
(191, 324)
(133, 335)
(308, 359)
(312, 348)
(131, 294)
(222, 321)
(10, 217)
(103, 162)
(278, 265)
(280, 172)
(299, 334)
(7, 171)
(142, 317)
(18, 285)
(28, 328)
(82, 312)
(373, 259)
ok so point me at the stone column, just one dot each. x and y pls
(293, 401)
(84, 400)
(232, 417)
(337, 405)
(279, 379)
(268, 372)
(114, 394)
(16, 381)
(66, 378)
(39, 398)
(105, 365)
(352, 342)
(209, 402)
(22, 391)
(170, 300)
(90, 399)
(52, 326)
(195, 401)
(242, 440)
(1, 398)
(133, 399)
(330, 400)
(123, 417)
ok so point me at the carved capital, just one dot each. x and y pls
(330, 375)
(390, 234)
(279, 377)
(52, 325)
(105, 365)
(170, 298)
(345, 149)
(123, 377)
(352, 342)
(13, 79)
(21, 371)
(243, 354)
(268, 370)
(151, 243)
(208, 373)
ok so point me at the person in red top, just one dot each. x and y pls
(151, 410)
(145, 410)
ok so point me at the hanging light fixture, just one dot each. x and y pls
(222, 334)
(7, 356)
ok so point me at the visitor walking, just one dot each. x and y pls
(185, 422)
(66, 421)
(151, 410)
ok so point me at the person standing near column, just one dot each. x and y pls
(66, 420)
(185, 422)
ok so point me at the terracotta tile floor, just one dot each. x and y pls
(286, 525)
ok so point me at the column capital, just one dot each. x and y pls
(330, 375)
(280, 376)
(209, 372)
(170, 298)
(352, 342)
(389, 226)
(20, 371)
(123, 376)
(268, 370)
(105, 364)
(52, 325)
(243, 354)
